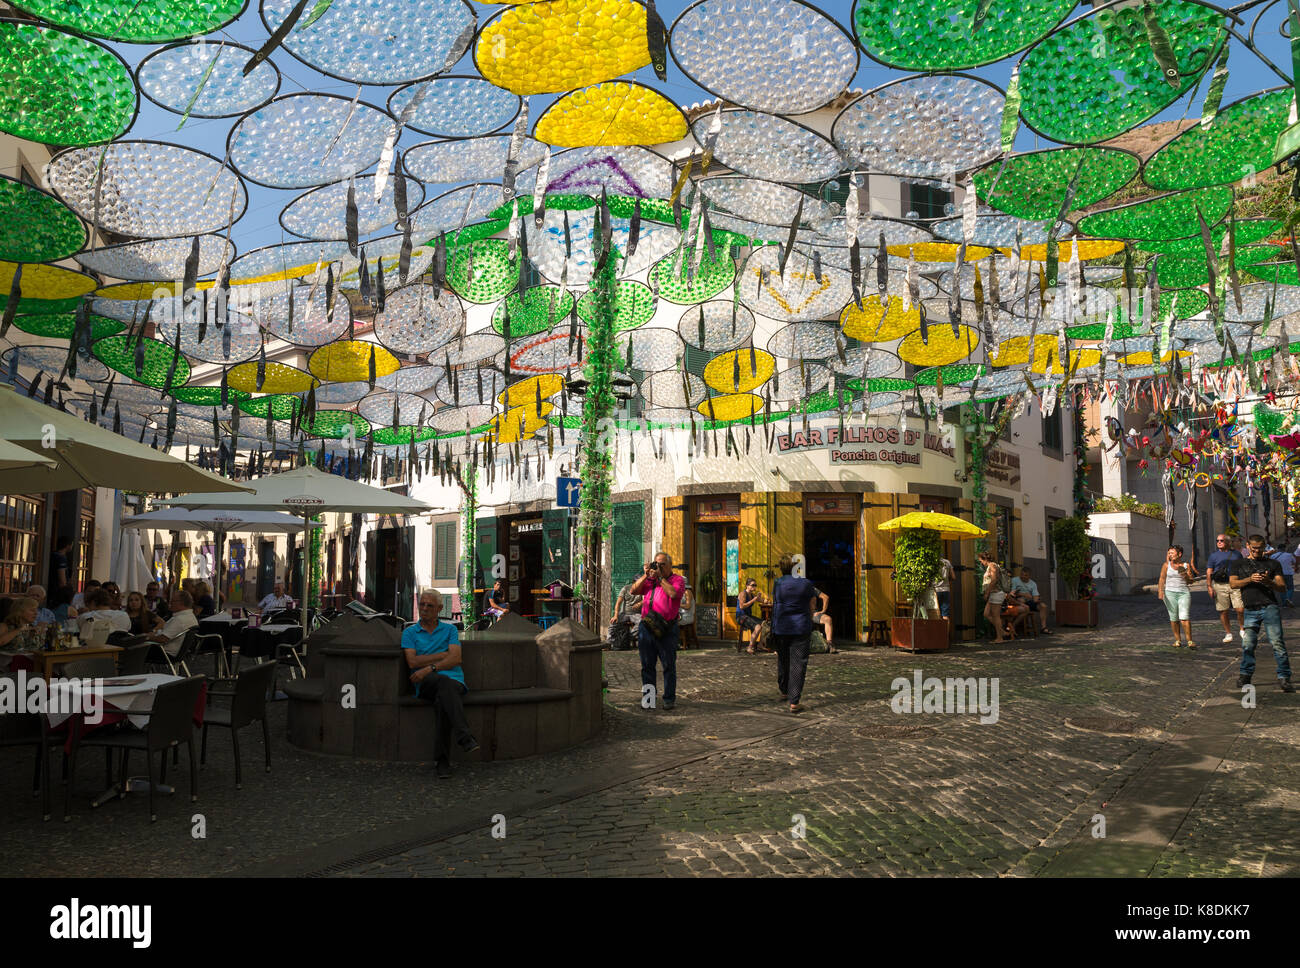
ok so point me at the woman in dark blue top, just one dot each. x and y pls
(791, 631)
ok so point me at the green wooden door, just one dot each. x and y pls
(627, 545)
(555, 546)
(485, 540)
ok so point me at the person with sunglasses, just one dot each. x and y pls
(1218, 572)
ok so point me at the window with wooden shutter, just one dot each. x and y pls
(445, 556)
(628, 545)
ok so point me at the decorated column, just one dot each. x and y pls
(595, 516)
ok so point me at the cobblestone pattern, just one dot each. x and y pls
(880, 793)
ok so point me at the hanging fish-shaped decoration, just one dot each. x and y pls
(351, 218)
(277, 37)
(882, 268)
(1160, 45)
(855, 273)
(404, 255)
(363, 285)
(656, 35)
(380, 293)
(969, 212)
(370, 371)
(783, 255)
(261, 364)
(539, 190)
(191, 269)
(511, 172)
(1214, 96)
(171, 422)
(440, 265)
(676, 198)
(1011, 112)
(15, 297)
(1233, 278)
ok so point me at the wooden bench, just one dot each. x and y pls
(1022, 624)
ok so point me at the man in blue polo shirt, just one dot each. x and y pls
(432, 650)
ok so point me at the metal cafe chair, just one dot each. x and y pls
(171, 723)
(247, 706)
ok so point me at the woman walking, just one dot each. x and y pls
(1175, 593)
(994, 594)
(791, 631)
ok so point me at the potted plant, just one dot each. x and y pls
(1073, 555)
(917, 567)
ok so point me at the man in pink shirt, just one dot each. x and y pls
(662, 595)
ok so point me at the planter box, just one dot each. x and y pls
(1081, 613)
(920, 634)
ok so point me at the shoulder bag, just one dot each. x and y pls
(652, 620)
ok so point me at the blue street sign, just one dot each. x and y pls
(567, 490)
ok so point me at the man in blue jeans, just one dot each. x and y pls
(1259, 579)
(661, 593)
(791, 631)
(432, 649)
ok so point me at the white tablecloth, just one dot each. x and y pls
(122, 698)
(273, 629)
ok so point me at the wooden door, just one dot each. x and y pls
(877, 564)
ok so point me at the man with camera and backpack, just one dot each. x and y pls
(657, 635)
(1218, 572)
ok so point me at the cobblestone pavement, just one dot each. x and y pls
(718, 785)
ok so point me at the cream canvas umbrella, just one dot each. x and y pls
(305, 491)
(220, 522)
(87, 456)
(15, 458)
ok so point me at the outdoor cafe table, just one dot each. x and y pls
(263, 640)
(46, 663)
(228, 627)
(122, 699)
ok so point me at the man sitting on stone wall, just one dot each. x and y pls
(432, 650)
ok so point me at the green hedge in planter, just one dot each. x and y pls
(1073, 551)
(917, 564)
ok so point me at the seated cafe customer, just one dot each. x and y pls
(20, 619)
(99, 608)
(154, 601)
(183, 619)
(432, 649)
(203, 600)
(43, 615)
(276, 601)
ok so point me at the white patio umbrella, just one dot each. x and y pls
(87, 456)
(130, 570)
(220, 522)
(305, 491)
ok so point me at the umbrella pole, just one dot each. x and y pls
(221, 544)
(306, 542)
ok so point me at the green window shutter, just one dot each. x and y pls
(445, 550)
(627, 544)
(555, 545)
(486, 532)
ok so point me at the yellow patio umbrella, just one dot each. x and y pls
(950, 528)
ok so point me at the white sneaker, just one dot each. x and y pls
(1228, 637)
